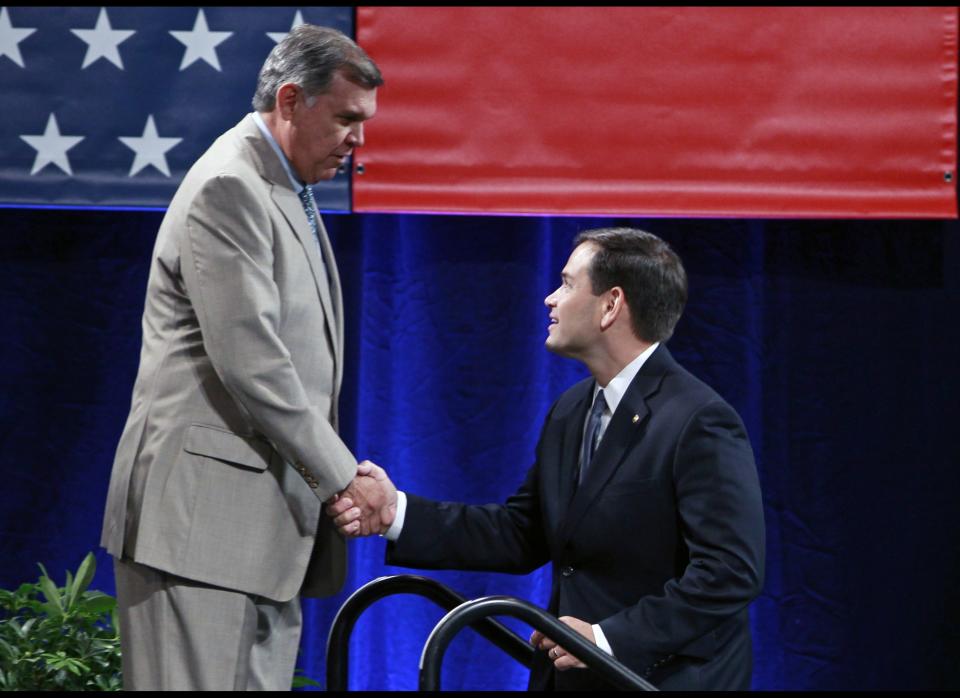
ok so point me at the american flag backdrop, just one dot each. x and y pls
(110, 106)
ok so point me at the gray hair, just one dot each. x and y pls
(309, 56)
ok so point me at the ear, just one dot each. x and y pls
(614, 305)
(287, 97)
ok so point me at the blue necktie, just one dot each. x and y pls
(310, 208)
(590, 438)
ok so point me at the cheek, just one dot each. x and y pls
(322, 140)
(335, 136)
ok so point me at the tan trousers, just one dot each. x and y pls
(181, 635)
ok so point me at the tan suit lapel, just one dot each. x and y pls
(286, 199)
(324, 270)
(336, 296)
(289, 204)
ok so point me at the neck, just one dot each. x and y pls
(270, 119)
(608, 361)
(273, 123)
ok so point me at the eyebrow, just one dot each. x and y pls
(352, 115)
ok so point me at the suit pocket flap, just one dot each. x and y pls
(227, 446)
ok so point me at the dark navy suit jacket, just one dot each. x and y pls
(662, 544)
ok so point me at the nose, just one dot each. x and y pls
(549, 301)
(355, 137)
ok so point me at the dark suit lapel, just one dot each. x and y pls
(570, 451)
(626, 428)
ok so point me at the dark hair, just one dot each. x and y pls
(309, 56)
(649, 272)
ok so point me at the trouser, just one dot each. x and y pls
(177, 634)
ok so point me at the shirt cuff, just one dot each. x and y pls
(598, 635)
(396, 528)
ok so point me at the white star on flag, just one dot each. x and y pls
(150, 149)
(76, 59)
(52, 147)
(103, 41)
(200, 42)
(10, 37)
(279, 36)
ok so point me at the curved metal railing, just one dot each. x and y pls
(471, 612)
(338, 641)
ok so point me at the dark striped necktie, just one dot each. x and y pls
(310, 208)
(590, 438)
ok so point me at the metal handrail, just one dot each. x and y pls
(472, 611)
(338, 641)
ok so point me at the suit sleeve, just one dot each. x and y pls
(227, 268)
(505, 537)
(489, 537)
(721, 519)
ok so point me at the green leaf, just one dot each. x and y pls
(97, 603)
(25, 629)
(301, 680)
(77, 667)
(15, 626)
(26, 590)
(59, 638)
(66, 589)
(8, 649)
(50, 590)
(84, 576)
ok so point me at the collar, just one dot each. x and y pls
(296, 183)
(614, 391)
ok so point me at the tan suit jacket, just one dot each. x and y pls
(231, 446)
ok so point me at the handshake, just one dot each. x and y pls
(367, 506)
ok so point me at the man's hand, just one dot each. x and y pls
(367, 506)
(559, 656)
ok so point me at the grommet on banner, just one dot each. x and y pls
(359, 168)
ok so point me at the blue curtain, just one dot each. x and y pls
(837, 341)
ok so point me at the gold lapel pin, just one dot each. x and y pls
(636, 418)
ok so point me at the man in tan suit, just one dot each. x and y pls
(231, 447)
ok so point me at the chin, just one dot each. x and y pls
(324, 176)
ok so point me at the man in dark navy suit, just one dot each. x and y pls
(644, 495)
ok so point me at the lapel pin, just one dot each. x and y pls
(636, 418)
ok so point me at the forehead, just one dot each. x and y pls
(349, 97)
(580, 258)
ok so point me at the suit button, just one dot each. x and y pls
(566, 571)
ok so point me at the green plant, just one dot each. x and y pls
(67, 641)
(301, 680)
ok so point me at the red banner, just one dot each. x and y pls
(676, 111)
